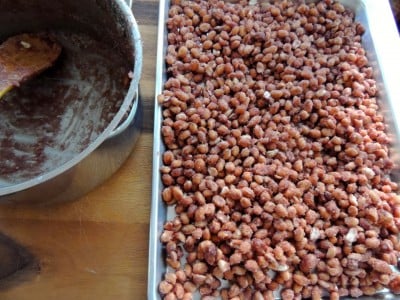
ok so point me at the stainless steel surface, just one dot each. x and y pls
(112, 20)
(131, 114)
(382, 43)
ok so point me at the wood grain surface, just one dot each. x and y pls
(95, 247)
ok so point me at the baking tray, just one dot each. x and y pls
(382, 42)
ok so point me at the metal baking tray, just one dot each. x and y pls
(382, 43)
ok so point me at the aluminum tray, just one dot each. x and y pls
(382, 42)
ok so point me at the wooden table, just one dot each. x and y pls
(95, 247)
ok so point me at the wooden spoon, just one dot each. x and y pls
(24, 56)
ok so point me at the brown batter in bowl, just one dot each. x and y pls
(50, 119)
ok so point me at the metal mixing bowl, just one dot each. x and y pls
(86, 157)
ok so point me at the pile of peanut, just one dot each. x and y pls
(277, 160)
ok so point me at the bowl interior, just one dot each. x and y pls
(54, 117)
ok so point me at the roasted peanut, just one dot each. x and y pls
(277, 155)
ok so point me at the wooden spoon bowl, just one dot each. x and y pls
(25, 56)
